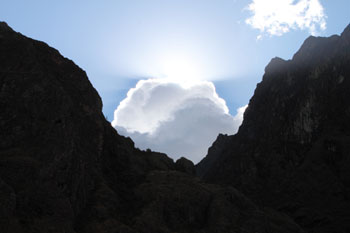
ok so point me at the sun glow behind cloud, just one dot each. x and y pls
(183, 66)
(186, 53)
(176, 109)
(180, 69)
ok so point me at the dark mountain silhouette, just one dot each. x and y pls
(64, 169)
(292, 151)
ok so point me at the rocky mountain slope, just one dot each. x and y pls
(292, 151)
(64, 169)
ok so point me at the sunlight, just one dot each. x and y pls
(181, 69)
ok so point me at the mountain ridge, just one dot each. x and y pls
(291, 152)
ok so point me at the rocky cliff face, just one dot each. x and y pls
(292, 152)
(63, 168)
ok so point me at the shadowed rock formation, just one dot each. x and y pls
(292, 151)
(63, 168)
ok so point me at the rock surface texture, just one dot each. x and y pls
(292, 151)
(64, 169)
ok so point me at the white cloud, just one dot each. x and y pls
(177, 119)
(276, 17)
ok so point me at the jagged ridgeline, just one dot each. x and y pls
(292, 152)
(63, 168)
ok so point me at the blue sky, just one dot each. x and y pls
(120, 42)
(114, 40)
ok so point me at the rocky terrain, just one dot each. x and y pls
(292, 151)
(64, 169)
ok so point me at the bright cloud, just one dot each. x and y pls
(177, 119)
(276, 17)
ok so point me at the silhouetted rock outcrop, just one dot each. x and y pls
(63, 168)
(292, 152)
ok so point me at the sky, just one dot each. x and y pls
(174, 74)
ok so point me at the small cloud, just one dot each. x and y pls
(180, 120)
(277, 17)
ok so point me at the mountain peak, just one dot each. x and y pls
(275, 64)
(346, 32)
(4, 27)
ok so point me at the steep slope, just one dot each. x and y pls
(292, 152)
(63, 168)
